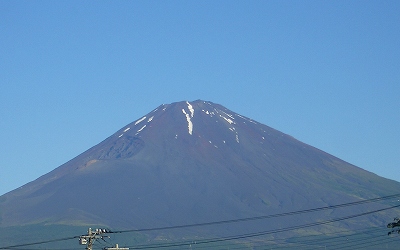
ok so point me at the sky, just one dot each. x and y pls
(74, 72)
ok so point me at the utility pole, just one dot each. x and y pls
(116, 248)
(89, 239)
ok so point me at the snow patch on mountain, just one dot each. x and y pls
(125, 130)
(210, 113)
(190, 107)
(247, 119)
(140, 120)
(227, 119)
(190, 124)
(140, 129)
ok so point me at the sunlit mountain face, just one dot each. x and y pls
(197, 162)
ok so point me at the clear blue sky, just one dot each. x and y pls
(74, 72)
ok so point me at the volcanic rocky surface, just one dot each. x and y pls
(192, 162)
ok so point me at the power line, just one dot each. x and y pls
(40, 242)
(346, 241)
(261, 217)
(263, 233)
(242, 220)
(371, 244)
(279, 243)
(365, 237)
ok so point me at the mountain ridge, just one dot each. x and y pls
(190, 162)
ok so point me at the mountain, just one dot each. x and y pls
(196, 162)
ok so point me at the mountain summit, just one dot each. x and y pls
(190, 162)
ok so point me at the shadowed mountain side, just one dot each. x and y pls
(187, 163)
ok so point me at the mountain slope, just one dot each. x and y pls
(186, 163)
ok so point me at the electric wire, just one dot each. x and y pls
(382, 237)
(365, 237)
(336, 238)
(369, 244)
(343, 233)
(242, 220)
(347, 241)
(40, 242)
(250, 235)
(317, 245)
(341, 243)
(362, 240)
(261, 217)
